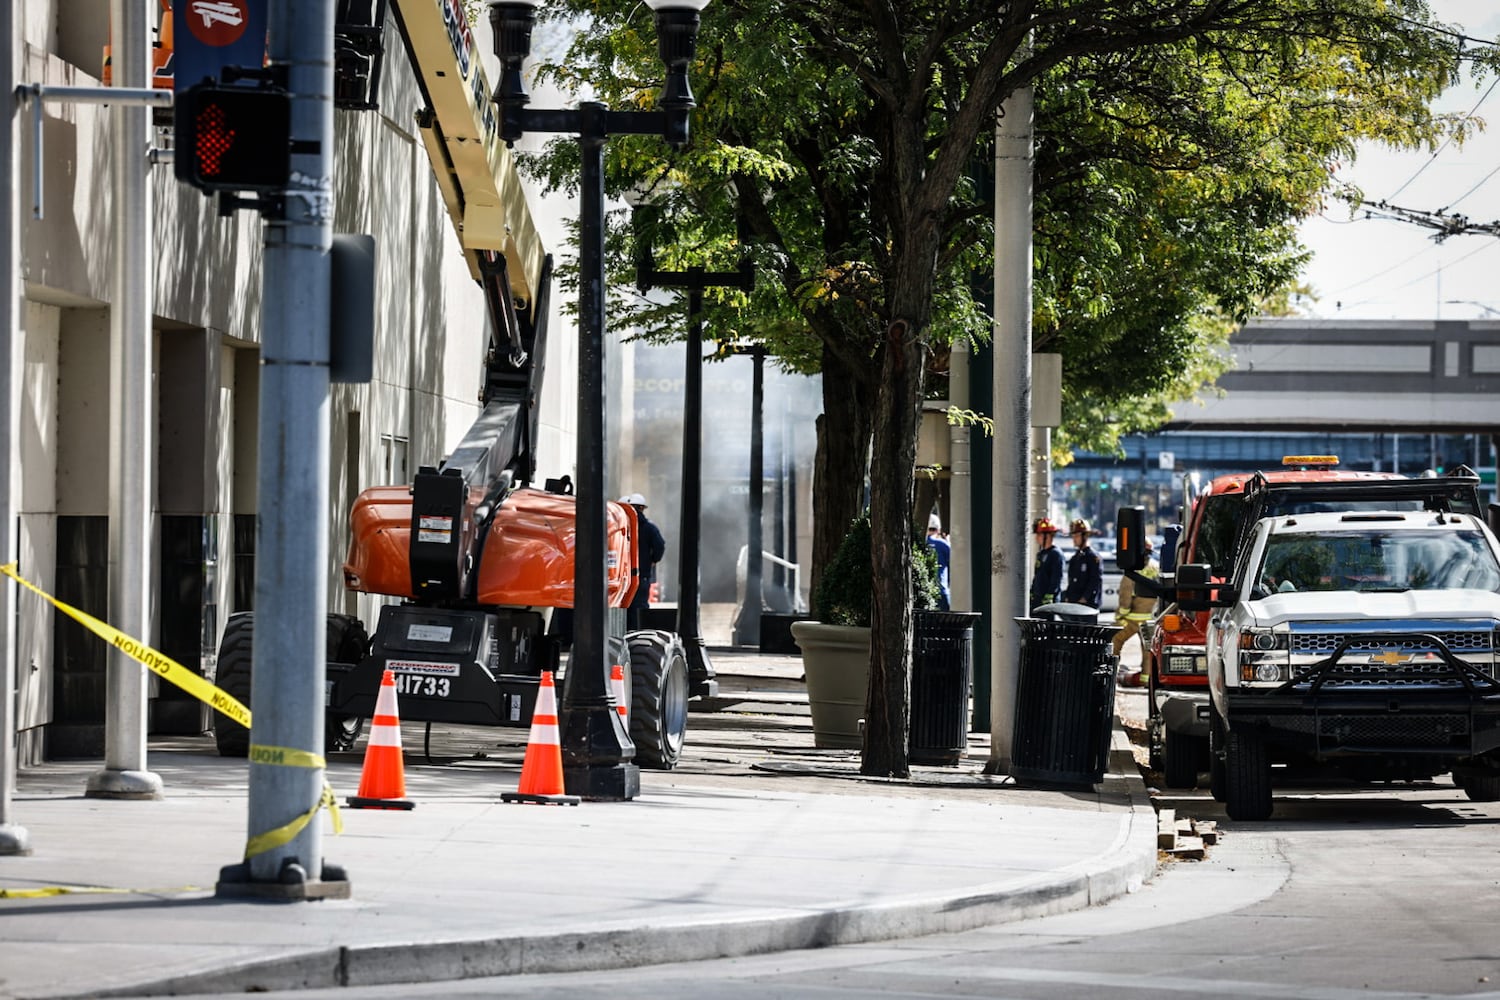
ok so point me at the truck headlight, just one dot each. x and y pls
(1262, 640)
(1264, 656)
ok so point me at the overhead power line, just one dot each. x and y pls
(1443, 225)
(1448, 140)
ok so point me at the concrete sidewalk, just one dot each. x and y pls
(757, 842)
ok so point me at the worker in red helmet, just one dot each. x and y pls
(1047, 570)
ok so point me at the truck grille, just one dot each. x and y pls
(1361, 665)
(1324, 643)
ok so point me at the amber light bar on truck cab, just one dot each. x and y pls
(1309, 461)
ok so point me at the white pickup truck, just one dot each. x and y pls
(1361, 642)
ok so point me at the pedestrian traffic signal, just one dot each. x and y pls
(233, 138)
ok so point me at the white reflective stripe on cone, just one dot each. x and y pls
(385, 736)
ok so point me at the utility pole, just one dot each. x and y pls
(13, 837)
(960, 488)
(131, 424)
(285, 856)
(1012, 383)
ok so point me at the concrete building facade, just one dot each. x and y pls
(430, 335)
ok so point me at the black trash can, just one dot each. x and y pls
(942, 672)
(1065, 698)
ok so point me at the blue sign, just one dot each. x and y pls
(212, 34)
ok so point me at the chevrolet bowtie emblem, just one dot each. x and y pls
(1391, 658)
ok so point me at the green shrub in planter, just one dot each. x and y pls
(843, 596)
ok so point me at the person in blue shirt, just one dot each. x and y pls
(1047, 571)
(1085, 569)
(944, 552)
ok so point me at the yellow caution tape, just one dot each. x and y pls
(69, 890)
(201, 689)
(284, 834)
(155, 660)
(285, 757)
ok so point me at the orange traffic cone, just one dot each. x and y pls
(382, 785)
(617, 687)
(541, 771)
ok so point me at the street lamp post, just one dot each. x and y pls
(598, 757)
(701, 677)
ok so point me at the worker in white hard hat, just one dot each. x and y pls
(649, 550)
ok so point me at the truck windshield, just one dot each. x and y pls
(1375, 561)
(1226, 512)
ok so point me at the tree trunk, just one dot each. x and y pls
(898, 410)
(841, 461)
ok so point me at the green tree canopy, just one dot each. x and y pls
(1178, 144)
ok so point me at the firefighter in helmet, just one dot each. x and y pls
(1085, 570)
(1047, 570)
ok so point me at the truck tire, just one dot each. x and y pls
(1480, 787)
(1247, 776)
(233, 678)
(1215, 755)
(658, 698)
(347, 642)
(1181, 754)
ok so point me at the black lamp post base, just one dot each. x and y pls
(702, 681)
(597, 755)
(608, 783)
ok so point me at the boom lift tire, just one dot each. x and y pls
(233, 678)
(658, 698)
(347, 642)
(1247, 776)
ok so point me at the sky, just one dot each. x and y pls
(1382, 269)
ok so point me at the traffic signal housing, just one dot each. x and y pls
(233, 138)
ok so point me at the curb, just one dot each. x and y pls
(1123, 868)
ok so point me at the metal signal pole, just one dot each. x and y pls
(284, 858)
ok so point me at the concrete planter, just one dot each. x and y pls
(836, 659)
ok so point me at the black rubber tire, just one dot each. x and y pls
(347, 642)
(1181, 755)
(658, 686)
(1215, 760)
(233, 678)
(1247, 776)
(1480, 787)
(1156, 729)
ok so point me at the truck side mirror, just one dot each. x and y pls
(1193, 583)
(1492, 517)
(1130, 531)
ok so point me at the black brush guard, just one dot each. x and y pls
(1326, 710)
